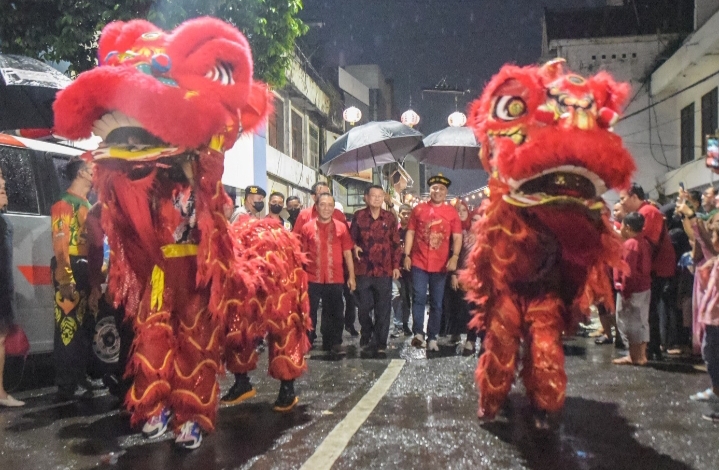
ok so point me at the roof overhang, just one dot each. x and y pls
(697, 58)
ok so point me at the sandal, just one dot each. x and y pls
(604, 339)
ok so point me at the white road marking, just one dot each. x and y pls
(331, 448)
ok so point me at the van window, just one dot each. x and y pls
(19, 179)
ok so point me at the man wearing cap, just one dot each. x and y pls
(427, 248)
(254, 203)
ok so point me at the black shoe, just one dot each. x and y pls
(326, 347)
(406, 330)
(286, 400)
(64, 395)
(352, 331)
(240, 391)
(338, 350)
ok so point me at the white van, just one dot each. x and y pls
(34, 179)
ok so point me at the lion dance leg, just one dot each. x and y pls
(197, 359)
(241, 348)
(151, 361)
(497, 364)
(543, 372)
(287, 324)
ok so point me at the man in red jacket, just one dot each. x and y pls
(663, 260)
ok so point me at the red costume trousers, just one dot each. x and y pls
(176, 352)
(539, 322)
(281, 318)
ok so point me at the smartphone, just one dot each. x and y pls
(712, 157)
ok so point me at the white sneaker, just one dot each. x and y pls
(190, 436)
(156, 426)
(11, 402)
(432, 345)
(706, 395)
(418, 341)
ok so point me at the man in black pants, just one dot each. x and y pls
(327, 244)
(378, 253)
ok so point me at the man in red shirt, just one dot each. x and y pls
(378, 252)
(427, 248)
(310, 213)
(327, 243)
(663, 261)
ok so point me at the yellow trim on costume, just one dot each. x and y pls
(179, 250)
(157, 282)
(551, 199)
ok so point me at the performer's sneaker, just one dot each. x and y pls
(418, 341)
(190, 436)
(240, 391)
(156, 426)
(432, 345)
(286, 400)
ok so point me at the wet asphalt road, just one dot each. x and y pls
(616, 417)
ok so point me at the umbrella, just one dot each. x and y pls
(453, 147)
(370, 145)
(27, 91)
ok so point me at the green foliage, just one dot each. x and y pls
(66, 30)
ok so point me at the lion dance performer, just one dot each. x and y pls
(167, 106)
(543, 245)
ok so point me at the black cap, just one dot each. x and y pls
(255, 190)
(439, 179)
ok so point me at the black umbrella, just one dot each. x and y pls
(27, 91)
(368, 146)
(453, 147)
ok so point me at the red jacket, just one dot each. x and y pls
(663, 257)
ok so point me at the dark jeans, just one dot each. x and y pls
(332, 315)
(374, 293)
(458, 313)
(660, 294)
(670, 317)
(404, 304)
(350, 307)
(710, 353)
(420, 280)
(74, 327)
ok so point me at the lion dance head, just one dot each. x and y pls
(546, 135)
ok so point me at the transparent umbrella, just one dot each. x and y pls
(370, 145)
(27, 92)
(452, 147)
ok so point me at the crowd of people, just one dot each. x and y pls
(666, 303)
(395, 269)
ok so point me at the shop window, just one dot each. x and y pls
(276, 127)
(314, 146)
(687, 133)
(709, 117)
(297, 141)
(19, 176)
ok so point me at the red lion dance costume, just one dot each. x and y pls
(543, 246)
(167, 106)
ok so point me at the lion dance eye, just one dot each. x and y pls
(509, 108)
(222, 73)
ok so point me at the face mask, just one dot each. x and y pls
(294, 212)
(258, 206)
(275, 208)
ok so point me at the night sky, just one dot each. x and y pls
(420, 42)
